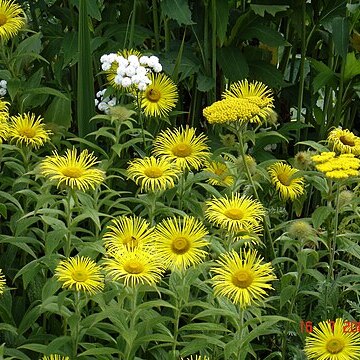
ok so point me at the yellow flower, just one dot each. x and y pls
(182, 147)
(12, 19)
(231, 109)
(152, 173)
(255, 92)
(222, 177)
(237, 214)
(344, 142)
(4, 106)
(242, 277)
(26, 130)
(135, 266)
(2, 282)
(160, 97)
(127, 232)
(80, 274)
(179, 242)
(286, 181)
(197, 357)
(55, 357)
(4, 128)
(323, 157)
(73, 170)
(333, 341)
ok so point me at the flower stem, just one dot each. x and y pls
(75, 336)
(132, 322)
(68, 211)
(240, 332)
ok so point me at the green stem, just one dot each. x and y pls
(132, 321)
(176, 330)
(132, 25)
(240, 333)
(68, 211)
(333, 243)
(75, 336)
(213, 48)
(156, 24)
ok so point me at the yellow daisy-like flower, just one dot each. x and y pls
(80, 274)
(153, 173)
(242, 277)
(4, 105)
(26, 130)
(4, 128)
(179, 242)
(73, 170)
(286, 181)
(255, 92)
(55, 357)
(183, 147)
(233, 109)
(331, 341)
(236, 214)
(197, 357)
(344, 142)
(160, 97)
(222, 177)
(135, 266)
(12, 19)
(112, 72)
(127, 232)
(2, 282)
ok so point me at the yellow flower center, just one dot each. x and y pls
(284, 179)
(153, 172)
(219, 171)
(334, 345)
(234, 214)
(80, 275)
(130, 241)
(347, 140)
(134, 267)
(180, 245)
(73, 172)
(242, 278)
(182, 150)
(3, 19)
(28, 132)
(153, 95)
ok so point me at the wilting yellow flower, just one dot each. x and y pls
(12, 19)
(183, 147)
(237, 214)
(197, 357)
(160, 97)
(55, 357)
(231, 109)
(222, 177)
(73, 170)
(179, 242)
(301, 230)
(26, 130)
(135, 266)
(302, 160)
(242, 277)
(2, 282)
(333, 341)
(153, 173)
(344, 142)
(80, 274)
(255, 92)
(286, 180)
(337, 167)
(127, 232)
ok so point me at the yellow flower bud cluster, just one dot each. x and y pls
(337, 167)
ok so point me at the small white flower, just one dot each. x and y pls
(103, 106)
(3, 83)
(136, 79)
(141, 70)
(142, 86)
(133, 59)
(130, 71)
(118, 79)
(104, 58)
(96, 102)
(157, 67)
(126, 82)
(144, 60)
(106, 66)
(112, 102)
(122, 62)
(112, 57)
(99, 94)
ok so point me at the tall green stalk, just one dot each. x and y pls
(85, 84)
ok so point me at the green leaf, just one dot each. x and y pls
(286, 294)
(59, 112)
(270, 9)
(233, 63)
(103, 350)
(222, 19)
(266, 73)
(340, 33)
(320, 215)
(314, 145)
(205, 83)
(204, 326)
(266, 35)
(177, 10)
(352, 66)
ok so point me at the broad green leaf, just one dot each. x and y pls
(320, 215)
(233, 63)
(265, 34)
(266, 73)
(270, 9)
(340, 33)
(177, 10)
(286, 294)
(352, 66)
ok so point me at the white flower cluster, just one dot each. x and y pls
(104, 104)
(3, 87)
(131, 71)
